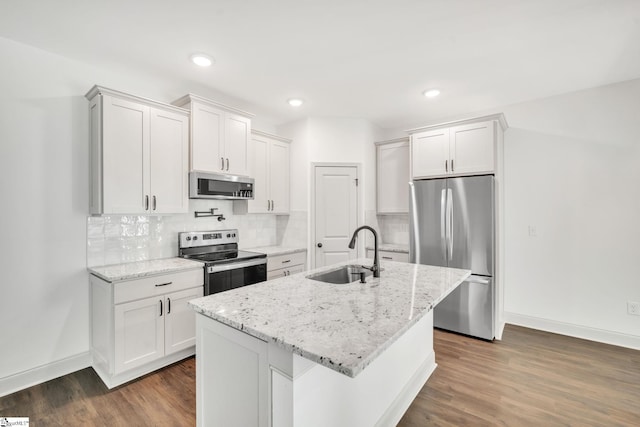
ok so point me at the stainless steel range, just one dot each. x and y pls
(225, 267)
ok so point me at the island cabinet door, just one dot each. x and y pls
(139, 333)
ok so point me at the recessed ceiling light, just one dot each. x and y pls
(201, 59)
(431, 93)
(295, 102)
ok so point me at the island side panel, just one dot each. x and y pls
(378, 396)
(232, 376)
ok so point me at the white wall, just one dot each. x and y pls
(330, 140)
(44, 192)
(572, 165)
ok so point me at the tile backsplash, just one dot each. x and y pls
(392, 229)
(291, 230)
(115, 239)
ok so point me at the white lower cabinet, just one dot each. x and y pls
(286, 265)
(389, 256)
(141, 325)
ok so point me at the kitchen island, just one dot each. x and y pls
(299, 352)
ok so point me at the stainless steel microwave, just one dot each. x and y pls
(204, 185)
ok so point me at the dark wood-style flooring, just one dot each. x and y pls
(530, 378)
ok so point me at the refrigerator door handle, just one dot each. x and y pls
(473, 279)
(450, 221)
(443, 222)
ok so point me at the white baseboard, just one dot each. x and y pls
(44, 373)
(577, 331)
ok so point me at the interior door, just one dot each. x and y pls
(336, 213)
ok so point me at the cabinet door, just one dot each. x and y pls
(139, 333)
(393, 178)
(237, 131)
(259, 165)
(430, 153)
(169, 134)
(206, 138)
(279, 176)
(180, 320)
(125, 151)
(472, 148)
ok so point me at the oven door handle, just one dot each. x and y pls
(236, 265)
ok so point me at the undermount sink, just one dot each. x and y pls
(341, 275)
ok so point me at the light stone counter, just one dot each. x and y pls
(133, 270)
(343, 327)
(277, 250)
(391, 247)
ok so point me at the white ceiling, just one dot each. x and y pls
(350, 58)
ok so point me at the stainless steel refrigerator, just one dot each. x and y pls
(452, 224)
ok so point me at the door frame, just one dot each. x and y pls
(312, 209)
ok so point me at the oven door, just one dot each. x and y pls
(220, 278)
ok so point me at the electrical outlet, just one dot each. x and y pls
(633, 308)
(533, 231)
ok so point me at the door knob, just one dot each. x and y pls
(319, 245)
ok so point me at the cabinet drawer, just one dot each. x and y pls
(286, 271)
(389, 256)
(131, 290)
(286, 261)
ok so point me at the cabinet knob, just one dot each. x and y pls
(319, 245)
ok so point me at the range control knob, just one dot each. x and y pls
(188, 238)
(195, 237)
(228, 235)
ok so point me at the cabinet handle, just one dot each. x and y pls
(146, 202)
(446, 165)
(221, 163)
(387, 257)
(273, 204)
(154, 203)
(286, 261)
(451, 165)
(168, 305)
(160, 308)
(163, 284)
(227, 163)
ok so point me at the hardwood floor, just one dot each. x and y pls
(531, 378)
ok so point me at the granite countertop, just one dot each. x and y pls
(133, 270)
(391, 247)
(277, 250)
(343, 327)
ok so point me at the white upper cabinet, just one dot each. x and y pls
(459, 148)
(392, 171)
(269, 167)
(139, 154)
(220, 136)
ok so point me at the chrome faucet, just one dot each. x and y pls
(352, 244)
